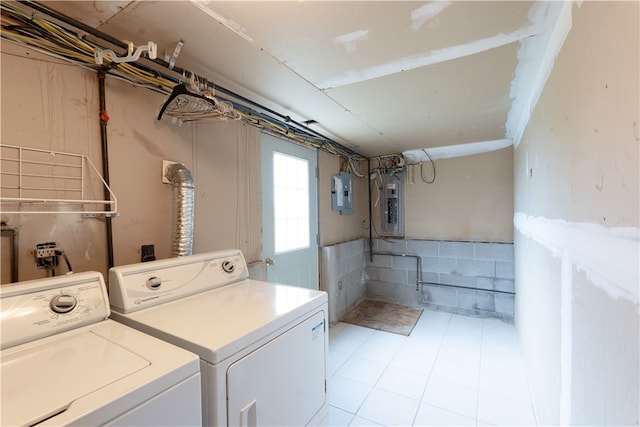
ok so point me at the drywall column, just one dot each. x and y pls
(577, 220)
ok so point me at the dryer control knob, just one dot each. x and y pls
(154, 283)
(63, 303)
(228, 266)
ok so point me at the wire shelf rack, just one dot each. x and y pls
(44, 181)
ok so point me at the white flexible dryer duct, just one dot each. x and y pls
(183, 211)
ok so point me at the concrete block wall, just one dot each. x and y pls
(342, 276)
(477, 268)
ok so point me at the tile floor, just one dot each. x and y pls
(451, 370)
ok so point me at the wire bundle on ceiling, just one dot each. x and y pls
(413, 162)
(390, 164)
(201, 105)
(40, 34)
(28, 28)
(347, 165)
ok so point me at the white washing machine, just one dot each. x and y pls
(262, 346)
(64, 362)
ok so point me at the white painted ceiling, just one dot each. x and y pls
(378, 77)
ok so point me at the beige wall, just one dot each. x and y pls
(336, 228)
(223, 157)
(228, 189)
(137, 145)
(47, 106)
(471, 199)
(577, 216)
(55, 106)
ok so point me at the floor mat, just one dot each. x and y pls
(384, 316)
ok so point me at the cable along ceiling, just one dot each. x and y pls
(191, 98)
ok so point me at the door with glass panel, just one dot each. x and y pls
(289, 212)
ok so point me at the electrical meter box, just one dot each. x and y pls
(342, 193)
(392, 205)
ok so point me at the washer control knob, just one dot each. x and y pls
(63, 303)
(228, 266)
(154, 283)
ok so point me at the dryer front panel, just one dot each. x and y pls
(284, 381)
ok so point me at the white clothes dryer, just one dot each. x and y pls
(262, 346)
(63, 362)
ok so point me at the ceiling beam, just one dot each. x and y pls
(459, 150)
(536, 58)
(428, 58)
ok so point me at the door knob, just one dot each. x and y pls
(269, 261)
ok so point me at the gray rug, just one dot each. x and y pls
(384, 316)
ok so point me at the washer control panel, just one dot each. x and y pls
(38, 308)
(63, 303)
(154, 283)
(228, 266)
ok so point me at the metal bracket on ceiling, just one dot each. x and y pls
(172, 59)
(131, 56)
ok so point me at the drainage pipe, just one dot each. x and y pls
(370, 211)
(419, 280)
(104, 118)
(183, 189)
(446, 285)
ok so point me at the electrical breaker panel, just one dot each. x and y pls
(392, 205)
(342, 193)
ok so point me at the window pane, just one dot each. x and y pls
(279, 170)
(280, 230)
(291, 202)
(279, 200)
(303, 207)
(302, 173)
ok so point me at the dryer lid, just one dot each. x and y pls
(42, 380)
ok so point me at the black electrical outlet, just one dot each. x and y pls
(147, 253)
